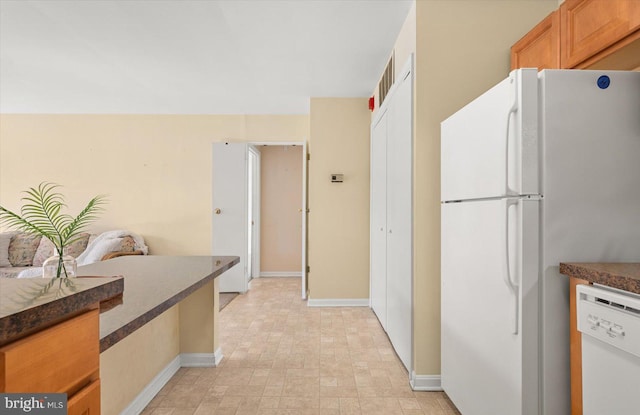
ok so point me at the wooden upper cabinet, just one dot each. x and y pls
(593, 29)
(540, 48)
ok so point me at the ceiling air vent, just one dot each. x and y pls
(386, 81)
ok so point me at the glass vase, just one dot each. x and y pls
(57, 266)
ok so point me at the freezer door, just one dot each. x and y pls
(489, 306)
(490, 147)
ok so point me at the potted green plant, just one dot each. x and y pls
(41, 214)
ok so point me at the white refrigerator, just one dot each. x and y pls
(541, 169)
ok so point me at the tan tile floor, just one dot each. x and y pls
(284, 358)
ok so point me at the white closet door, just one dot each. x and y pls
(378, 215)
(400, 219)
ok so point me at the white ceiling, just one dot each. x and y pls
(191, 56)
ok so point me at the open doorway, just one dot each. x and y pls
(263, 220)
(280, 209)
(281, 246)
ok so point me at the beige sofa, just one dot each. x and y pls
(21, 251)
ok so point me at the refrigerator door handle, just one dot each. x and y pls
(513, 286)
(512, 111)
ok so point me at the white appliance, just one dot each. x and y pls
(542, 168)
(610, 324)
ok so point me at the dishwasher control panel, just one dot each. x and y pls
(610, 316)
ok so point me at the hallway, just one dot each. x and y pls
(284, 358)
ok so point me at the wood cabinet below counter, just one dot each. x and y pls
(64, 358)
(50, 337)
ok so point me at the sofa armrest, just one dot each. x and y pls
(120, 253)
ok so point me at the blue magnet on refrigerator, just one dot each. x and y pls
(603, 82)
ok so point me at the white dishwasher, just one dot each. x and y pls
(609, 321)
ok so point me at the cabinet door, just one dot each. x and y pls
(58, 359)
(378, 250)
(540, 48)
(86, 401)
(400, 219)
(589, 26)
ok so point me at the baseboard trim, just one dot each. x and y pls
(338, 302)
(151, 390)
(157, 383)
(267, 274)
(218, 356)
(201, 359)
(426, 383)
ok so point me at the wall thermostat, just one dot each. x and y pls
(337, 178)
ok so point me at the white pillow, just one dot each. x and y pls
(96, 251)
(5, 240)
(31, 272)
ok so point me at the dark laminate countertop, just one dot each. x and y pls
(152, 285)
(31, 304)
(623, 276)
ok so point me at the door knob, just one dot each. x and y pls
(218, 211)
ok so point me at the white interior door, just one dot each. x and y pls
(304, 218)
(230, 211)
(378, 218)
(254, 214)
(399, 210)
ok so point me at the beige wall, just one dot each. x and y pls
(127, 367)
(339, 212)
(280, 201)
(156, 169)
(130, 365)
(199, 320)
(406, 43)
(462, 50)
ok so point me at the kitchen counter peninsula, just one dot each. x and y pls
(152, 285)
(168, 319)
